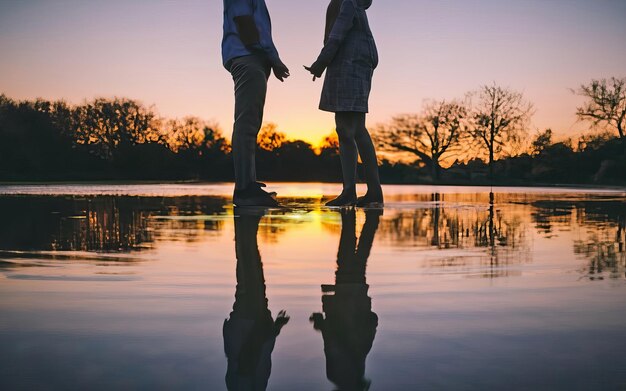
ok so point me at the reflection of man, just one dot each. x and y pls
(248, 53)
(350, 325)
(250, 332)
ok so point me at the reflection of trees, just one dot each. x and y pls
(605, 254)
(454, 226)
(187, 219)
(548, 213)
(118, 224)
(107, 224)
(499, 229)
(502, 229)
(504, 236)
(599, 224)
(603, 242)
(348, 324)
(424, 227)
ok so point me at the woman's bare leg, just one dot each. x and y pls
(347, 124)
(370, 162)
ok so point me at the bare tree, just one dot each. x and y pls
(431, 136)
(606, 103)
(499, 118)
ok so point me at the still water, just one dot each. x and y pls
(168, 287)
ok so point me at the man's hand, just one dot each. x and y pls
(280, 70)
(316, 69)
(281, 320)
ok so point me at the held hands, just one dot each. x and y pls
(316, 70)
(282, 72)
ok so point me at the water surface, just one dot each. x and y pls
(169, 287)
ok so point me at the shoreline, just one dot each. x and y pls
(284, 189)
(200, 182)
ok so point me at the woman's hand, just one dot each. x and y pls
(316, 69)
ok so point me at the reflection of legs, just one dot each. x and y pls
(250, 75)
(372, 219)
(250, 299)
(347, 246)
(350, 260)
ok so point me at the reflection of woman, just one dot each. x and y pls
(349, 57)
(349, 325)
(250, 332)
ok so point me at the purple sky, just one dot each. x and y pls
(167, 53)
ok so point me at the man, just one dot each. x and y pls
(249, 54)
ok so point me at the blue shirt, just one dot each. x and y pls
(232, 47)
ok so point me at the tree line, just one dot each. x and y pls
(482, 138)
(491, 124)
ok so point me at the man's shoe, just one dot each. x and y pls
(253, 195)
(346, 198)
(261, 184)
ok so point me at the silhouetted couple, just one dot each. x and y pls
(349, 57)
(348, 325)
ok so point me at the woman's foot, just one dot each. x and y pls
(371, 198)
(346, 198)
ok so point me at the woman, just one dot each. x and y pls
(349, 57)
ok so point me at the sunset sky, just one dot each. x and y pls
(167, 53)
